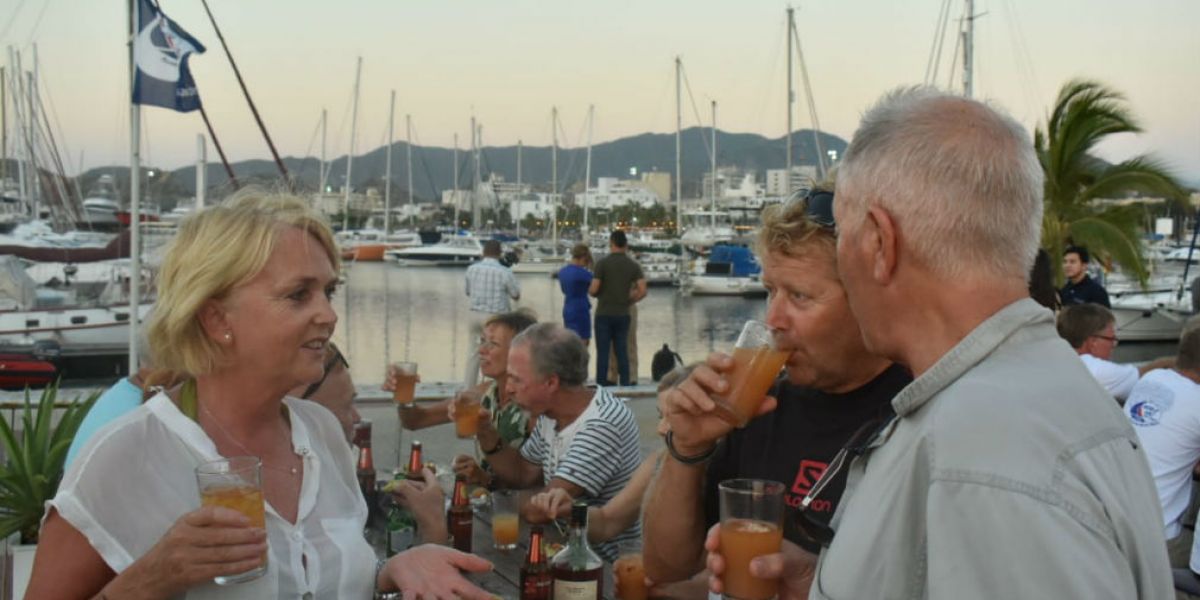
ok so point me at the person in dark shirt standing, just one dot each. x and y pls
(832, 388)
(617, 283)
(1080, 288)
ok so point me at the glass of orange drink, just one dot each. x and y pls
(506, 522)
(751, 526)
(629, 574)
(467, 405)
(235, 483)
(405, 375)
(756, 364)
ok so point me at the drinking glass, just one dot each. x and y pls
(467, 404)
(405, 374)
(506, 522)
(628, 572)
(756, 364)
(235, 483)
(751, 526)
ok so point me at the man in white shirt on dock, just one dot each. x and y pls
(491, 287)
(1091, 330)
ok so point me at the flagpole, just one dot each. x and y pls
(135, 168)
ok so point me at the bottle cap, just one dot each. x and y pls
(579, 513)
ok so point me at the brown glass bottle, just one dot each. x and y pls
(366, 463)
(460, 517)
(578, 570)
(415, 463)
(536, 579)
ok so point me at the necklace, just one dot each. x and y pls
(293, 471)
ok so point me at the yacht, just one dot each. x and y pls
(451, 251)
(728, 271)
(363, 245)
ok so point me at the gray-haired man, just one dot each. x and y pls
(584, 441)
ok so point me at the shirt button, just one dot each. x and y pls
(297, 536)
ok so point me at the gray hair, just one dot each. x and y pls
(555, 350)
(960, 177)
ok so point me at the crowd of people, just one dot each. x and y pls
(939, 433)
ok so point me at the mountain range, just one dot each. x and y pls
(433, 167)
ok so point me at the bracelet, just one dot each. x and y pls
(688, 460)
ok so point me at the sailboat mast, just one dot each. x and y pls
(4, 128)
(324, 163)
(587, 176)
(201, 174)
(517, 214)
(969, 51)
(678, 149)
(455, 184)
(35, 187)
(408, 167)
(554, 178)
(475, 213)
(712, 187)
(791, 99)
(387, 170)
(353, 143)
(135, 203)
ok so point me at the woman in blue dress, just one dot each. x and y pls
(574, 280)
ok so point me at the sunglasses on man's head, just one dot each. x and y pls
(818, 206)
(858, 444)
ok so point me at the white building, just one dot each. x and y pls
(802, 176)
(611, 192)
(538, 205)
(495, 191)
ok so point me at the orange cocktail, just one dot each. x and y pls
(235, 483)
(754, 370)
(630, 577)
(466, 414)
(405, 374)
(505, 531)
(741, 541)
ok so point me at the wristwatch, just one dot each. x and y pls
(688, 460)
(494, 449)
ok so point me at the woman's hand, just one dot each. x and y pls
(427, 503)
(201, 545)
(431, 572)
(468, 467)
(791, 566)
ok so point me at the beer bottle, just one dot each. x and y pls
(366, 464)
(415, 463)
(578, 570)
(536, 578)
(460, 516)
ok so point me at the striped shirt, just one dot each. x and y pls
(599, 452)
(490, 285)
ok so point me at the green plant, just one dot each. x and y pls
(1085, 113)
(34, 460)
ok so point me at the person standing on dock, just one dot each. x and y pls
(491, 287)
(574, 279)
(1080, 287)
(617, 284)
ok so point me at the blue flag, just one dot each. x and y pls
(160, 53)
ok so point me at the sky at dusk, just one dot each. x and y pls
(508, 62)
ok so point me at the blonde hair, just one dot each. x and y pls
(787, 230)
(214, 251)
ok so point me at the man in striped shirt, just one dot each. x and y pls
(491, 288)
(584, 442)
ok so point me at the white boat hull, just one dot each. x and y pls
(1155, 317)
(91, 331)
(710, 285)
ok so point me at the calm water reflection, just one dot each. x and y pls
(388, 313)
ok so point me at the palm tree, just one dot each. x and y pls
(1085, 113)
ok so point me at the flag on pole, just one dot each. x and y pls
(160, 55)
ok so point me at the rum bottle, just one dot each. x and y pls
(578, 570)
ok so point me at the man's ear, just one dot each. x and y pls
(215, 323)
(880, 238)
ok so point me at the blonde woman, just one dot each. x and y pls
(244, 315)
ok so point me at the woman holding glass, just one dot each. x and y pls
(244, 314)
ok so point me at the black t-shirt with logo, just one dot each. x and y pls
(794, 443)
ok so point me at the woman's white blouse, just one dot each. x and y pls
(136, 477)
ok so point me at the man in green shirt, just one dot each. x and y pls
(617, 283)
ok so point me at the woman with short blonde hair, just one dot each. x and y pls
(244, 314)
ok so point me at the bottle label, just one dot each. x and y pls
(575, 590)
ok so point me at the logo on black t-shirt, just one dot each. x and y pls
(806, 477)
